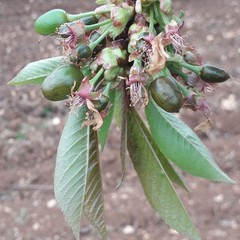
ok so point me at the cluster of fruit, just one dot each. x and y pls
(133, 45)
(125, 55)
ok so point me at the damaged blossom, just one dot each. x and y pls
(71, 33)
(158, 56)
(85, 96)
(197, 103)
(151, 50)
(195, 81)
(172, 33)
(135, 84)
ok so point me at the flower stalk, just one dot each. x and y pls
(74, 17)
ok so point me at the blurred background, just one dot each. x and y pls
(31, 126)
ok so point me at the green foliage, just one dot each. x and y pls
(120, 59)
(147, 160)
(36, 72)
(93, 199)
(181, 145)
(77, 178)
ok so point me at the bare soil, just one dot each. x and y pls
(30, 129)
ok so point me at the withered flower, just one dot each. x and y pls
(158, 55)
(135, 82)
(172, 33)
(85, 96)
(197, 103)
(71, 33)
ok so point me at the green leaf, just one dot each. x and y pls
(181, 145)
(36, 72)
(93, 201)
(173, 174)
(104, 130)
(156, 183)
(72, 168)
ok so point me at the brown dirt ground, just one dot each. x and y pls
(30, 129)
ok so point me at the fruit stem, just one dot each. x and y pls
(158, 17)
(95, 43)
(161, 15)
(181, 15)
(184, 90)
(178, 19)
(170, 49)
(95, 79)
(195, 69)
(86, 71)
(107, 89)
(183, 75)
(73, 17)
(97, 25)
(151, 22)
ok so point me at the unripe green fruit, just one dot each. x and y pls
(101, 103)
(57, 86)
(83, 51)
(90, 20)
(48, 23)
(212, 74)
(166, 94)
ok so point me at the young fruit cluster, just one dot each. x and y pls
(135, 45)
(124, 56)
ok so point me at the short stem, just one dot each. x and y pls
(95, 43)
(195, 69)
(73, 17)
(107, 89)
(97, 25)
(151, 24)
(162, 15)
(86, 71)
(183, 75)
(95, 79)
(158, 17)
(181, 15)
(166, 72)
(170, 49)
(184, 90)
(178, 19)
(158, 75)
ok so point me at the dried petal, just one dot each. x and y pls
(94, 118)
(172, 33)
(204, 126)
(75, 32)
(85, 88)
(158, 56)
